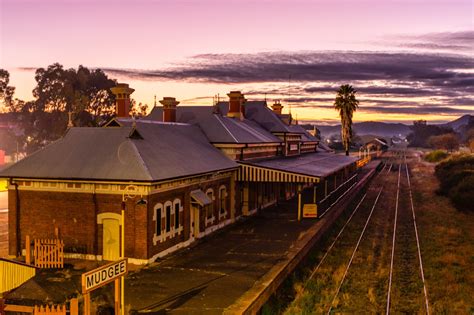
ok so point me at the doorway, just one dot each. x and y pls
(111, 239)
(195, 220)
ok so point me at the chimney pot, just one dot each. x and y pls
(277, 107)
(236, 104)
(169, 109)
(122, 99)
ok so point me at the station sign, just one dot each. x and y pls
(103, 275)
(310, 210)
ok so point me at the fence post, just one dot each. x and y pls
(74, 307)
(28, 250)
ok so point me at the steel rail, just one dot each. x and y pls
(417, 241)
(354, 252)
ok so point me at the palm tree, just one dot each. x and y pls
(346, 103)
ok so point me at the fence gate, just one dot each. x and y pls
(49, 253)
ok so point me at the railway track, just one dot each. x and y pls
(383, 270)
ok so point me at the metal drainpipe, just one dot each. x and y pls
(17, 210)
(95, 245)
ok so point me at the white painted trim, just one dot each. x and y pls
(222, 188)
(157, 207)
(210, 220)
(83, 256)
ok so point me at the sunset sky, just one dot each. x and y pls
(409, 59)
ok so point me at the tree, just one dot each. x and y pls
(346, 103)
(6, 91)
(421, 132)
(138, 109)
(84, 92)
(447, 141)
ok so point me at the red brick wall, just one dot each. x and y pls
(184, 195)
(75, 214)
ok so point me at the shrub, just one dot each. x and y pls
(436, 156)
(455, 163)
(456, 177)
(462, 195)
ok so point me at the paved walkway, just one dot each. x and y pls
(205, 278)
(213, 274)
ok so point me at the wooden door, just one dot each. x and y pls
(111, 239)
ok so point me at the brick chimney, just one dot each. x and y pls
(236, 104)
(122, 99)
(169, 109)
(277, 107)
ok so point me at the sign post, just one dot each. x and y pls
(101, 276)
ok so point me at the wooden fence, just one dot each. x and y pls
(43, 309)
(48, 253)
(50, 310)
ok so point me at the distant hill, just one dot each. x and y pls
(460, 122)
(369, 128)
(382, 129)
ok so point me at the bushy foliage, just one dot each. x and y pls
(447, 141)
(456, 177)
(422, 131)
(436, 156)
(462, 195)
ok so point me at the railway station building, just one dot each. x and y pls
(178, 174)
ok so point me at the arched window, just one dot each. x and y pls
(157, 216)
(222, 200)
(210, 207)
(177, 215)
(168, 212)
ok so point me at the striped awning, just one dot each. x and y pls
(252, 173)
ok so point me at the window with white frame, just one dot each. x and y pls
(168, 209)
(157, 215)
(210, 207)
(177, 213)
(222, 201)
(167, 218)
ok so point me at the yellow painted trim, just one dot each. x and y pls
(108, 215)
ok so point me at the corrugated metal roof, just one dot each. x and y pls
(305, 135)
(166, 151)
(259, 112)
(218, 127)
(312, 164)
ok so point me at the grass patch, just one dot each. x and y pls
(282, 302)
(446, 246)
(436, 156)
